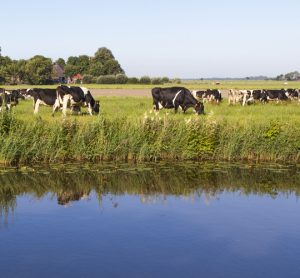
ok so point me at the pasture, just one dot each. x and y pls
(128, 129)
(190, 84)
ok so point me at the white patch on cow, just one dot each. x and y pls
(65, 102)
(7, 92)
(174, 99)
(160, 106)
(85, 90)
(28, 90)
(55, 106)
(194, 93)
(90, 109)
(8, 106)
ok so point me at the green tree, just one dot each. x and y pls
(103, 54)
(61, 62)
(39, 70)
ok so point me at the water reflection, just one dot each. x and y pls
(150, 221)
(72, 183)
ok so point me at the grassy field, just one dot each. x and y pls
(201, 84)
(128, 129)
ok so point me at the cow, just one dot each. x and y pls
(276, 95)
(234, 96)
(75, 97)
(175, 97)
(10, 98)
(46, 97)
(256, 95)
(292, 94)
(208, 95)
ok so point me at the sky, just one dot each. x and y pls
(185, 39)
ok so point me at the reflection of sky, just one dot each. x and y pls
(233, 236)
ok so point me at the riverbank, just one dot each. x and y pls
(258, 133)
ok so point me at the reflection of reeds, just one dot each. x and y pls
(151, 137)
(151, 182)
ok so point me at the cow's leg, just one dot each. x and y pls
(36, 106)
(55, 106)
(65, 104)
(176, 106)
(156, 105)
(90, 110)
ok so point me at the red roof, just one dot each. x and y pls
(77, 76)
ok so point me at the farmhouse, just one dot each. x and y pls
(58, 74)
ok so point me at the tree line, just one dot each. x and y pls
(101, 68)
(291, 76)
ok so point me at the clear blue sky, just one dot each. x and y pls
(191, 38)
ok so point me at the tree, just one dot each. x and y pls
(39, 70)
(112, 67)
(61, 62)
(104, 63)
(291, 76)
(103, 54)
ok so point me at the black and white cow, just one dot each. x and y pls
(175, 97)
(276, 95)
(10, 98)
(208, 95)
(292, 94)
(256, 95)
(46, 97)
(75, 97)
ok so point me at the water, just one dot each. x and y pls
(164, 220)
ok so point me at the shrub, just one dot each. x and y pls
(156, 81)
(132, 80)
(145, 80)
(121, 79)
(88, 79)
(106, 79)
(177, 80)
(165, 80)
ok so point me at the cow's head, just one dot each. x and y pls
(26, 93)
(199, 108)
(96, 107)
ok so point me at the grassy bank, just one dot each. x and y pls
(127, 129)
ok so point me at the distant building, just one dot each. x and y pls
(58, 74)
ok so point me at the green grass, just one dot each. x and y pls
(201, 84)
(128, 129)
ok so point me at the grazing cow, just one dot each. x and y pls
(176, 97)
(41, 97)
(292, 94)
(10, 98)
(208, 95)
(256, 95)
(234, 96)
(75, 97)
(276, 95)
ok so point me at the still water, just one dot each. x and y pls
(176, 220)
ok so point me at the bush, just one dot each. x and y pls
(89, 79)
(156, 81)
(132, 80)
(106, 79)
(177, 80)
(165, 79)
(121, 79)
(145, 80)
